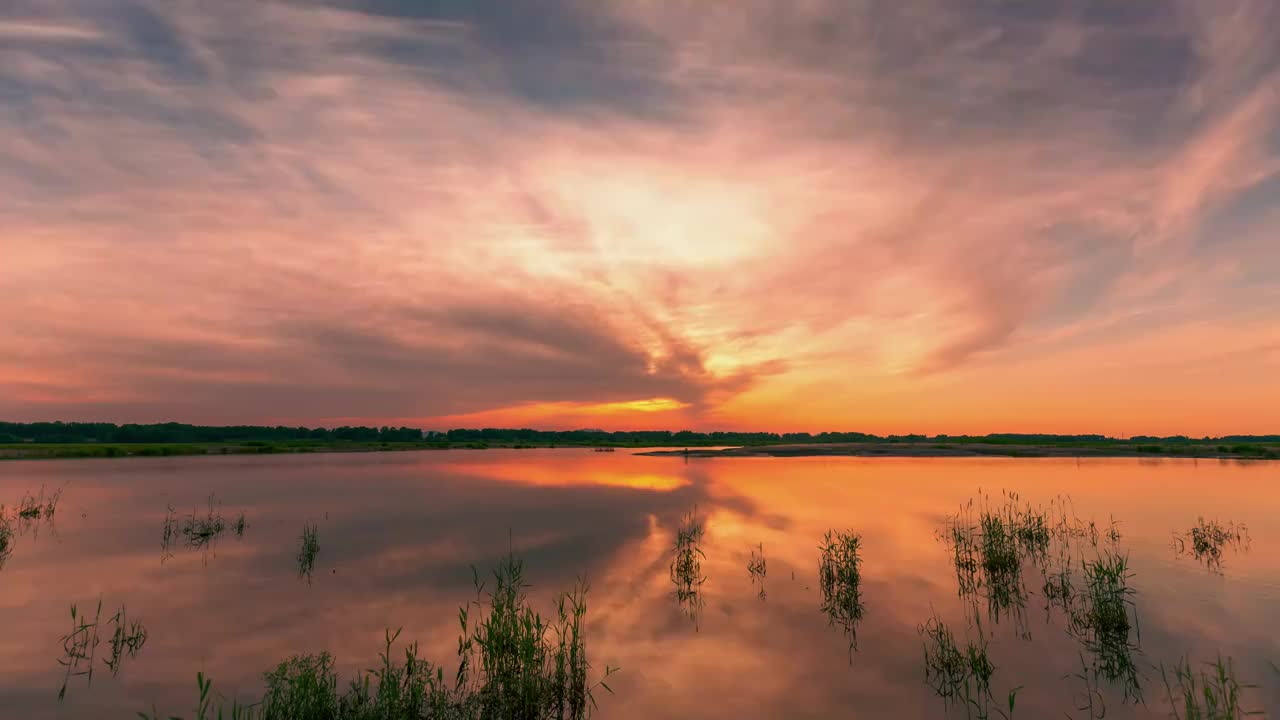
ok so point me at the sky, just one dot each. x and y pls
(942, 216)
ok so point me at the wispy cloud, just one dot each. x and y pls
(263, 210)
(37, 30)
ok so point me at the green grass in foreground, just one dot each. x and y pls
(512, 664)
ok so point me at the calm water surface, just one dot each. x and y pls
(398, 534)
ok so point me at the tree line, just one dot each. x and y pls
(81, 432)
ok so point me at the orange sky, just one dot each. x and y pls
(889, 217)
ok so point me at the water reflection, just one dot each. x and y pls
(758, 569)
(686, 566)
(840, 578)
(404, 530)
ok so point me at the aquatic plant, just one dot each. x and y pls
(988, 554)
(310, 548)
(170, 534)
(35, 510)
(7, 537)
(1002, 566)
(200, 531)
(1212, 695)
(1059, 589)
(127, 638)
(686, 565)
(1091, 700)
(513, 663)
(840, 577)
(757, 568)
(960, 676)
(1104, 616)
(79, 647)
(960, 537)
(1207, 539)
(240, 525)
(36, 507)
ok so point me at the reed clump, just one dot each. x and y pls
(960, 675)
(686, 565)
(1207, 540)
(1213, 693)
(7, 537)
(38, 507)
(79, 647)
(1104, 618)
(200, 531)
(840, 577)
(127, 638)
(758, 568)
(310, 548)
(513, 663)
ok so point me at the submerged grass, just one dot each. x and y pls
(1207, 540)
(1214, 693)
(840, 577)
(960, 675)
(686, 566)
(310, 548)
(757, 568)
(512, 664)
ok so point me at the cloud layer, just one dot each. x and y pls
(938, 216)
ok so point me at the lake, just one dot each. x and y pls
(398, 534)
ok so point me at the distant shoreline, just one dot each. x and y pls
(918, 448)
(971, 449)
(86, 451)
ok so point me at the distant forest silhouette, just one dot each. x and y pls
(82, 432)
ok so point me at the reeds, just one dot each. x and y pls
(170, 534)
(79, 647)
(840, 577)
(514, 664)
(37, 507)
(758, 569)
(1214, 694)
(127, 638)
(7, 537)
(307, 553)
(200, 531)
(1207, 540)
(1105, 620)
(992, 551)
(960, 675)
(686, 565)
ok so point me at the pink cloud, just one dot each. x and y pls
(304, 213)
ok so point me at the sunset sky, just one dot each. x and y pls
(957, 216)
